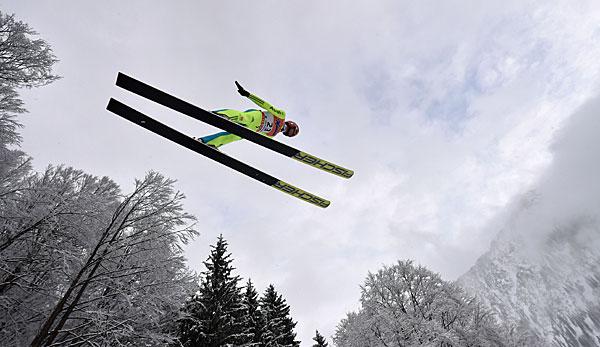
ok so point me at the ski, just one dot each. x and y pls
(173, 135)
(174, 103)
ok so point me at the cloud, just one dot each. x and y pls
(570, 187)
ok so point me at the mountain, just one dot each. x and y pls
(542, 270)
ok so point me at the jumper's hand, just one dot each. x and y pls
(241, 90)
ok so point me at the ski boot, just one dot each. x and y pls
(199, 139)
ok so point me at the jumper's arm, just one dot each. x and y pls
(260, 102)
(266, 106)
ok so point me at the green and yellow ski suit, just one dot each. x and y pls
(268, 122)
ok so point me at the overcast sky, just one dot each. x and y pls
(444, 109)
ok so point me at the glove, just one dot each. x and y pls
(241, 90)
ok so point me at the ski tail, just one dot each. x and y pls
(144, 90)
(173, 135)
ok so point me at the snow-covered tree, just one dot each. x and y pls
(25, 61)
(407, 305)
(355, 330)
(319, 340)
(15, 165)
(124, 277)
(80, 264)
(254, 322)
(216, 313)
(46, 227)
(279, 328)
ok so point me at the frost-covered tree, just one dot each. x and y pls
(355, 330)
(216, 313)
(10, 106)
(45, 228)
(80, 264)
(25, 61)
(408, 305)
(34, 247)
(124, 276)
(254, 322)
(319, 340)
(279, 328)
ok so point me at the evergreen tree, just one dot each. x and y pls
(320, 340)
(279, 328)
(253, 319)
(216, 313)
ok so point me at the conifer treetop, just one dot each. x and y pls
(320, 340)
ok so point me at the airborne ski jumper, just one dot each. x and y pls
(234, 130)
(269, 121)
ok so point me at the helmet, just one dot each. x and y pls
(290, 129)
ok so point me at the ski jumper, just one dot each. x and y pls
(268, 122)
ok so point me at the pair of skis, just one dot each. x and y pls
(153, 94)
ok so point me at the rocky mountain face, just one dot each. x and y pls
(551, 285)
(543, 268)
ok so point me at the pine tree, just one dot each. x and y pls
(320, 340)
(254, 322)
(216, 313)
(279, 328)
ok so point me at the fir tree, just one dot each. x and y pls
(279, 328)
(253, 319)
(216, 313)
(320, 340)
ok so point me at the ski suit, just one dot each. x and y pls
(267, 122)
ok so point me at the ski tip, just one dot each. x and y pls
(323, 203)
(323, 165)
(301, 194)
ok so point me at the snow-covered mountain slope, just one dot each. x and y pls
(543, 268)
(555, 288)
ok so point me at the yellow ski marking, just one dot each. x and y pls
(301, 194)
(323, 165)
